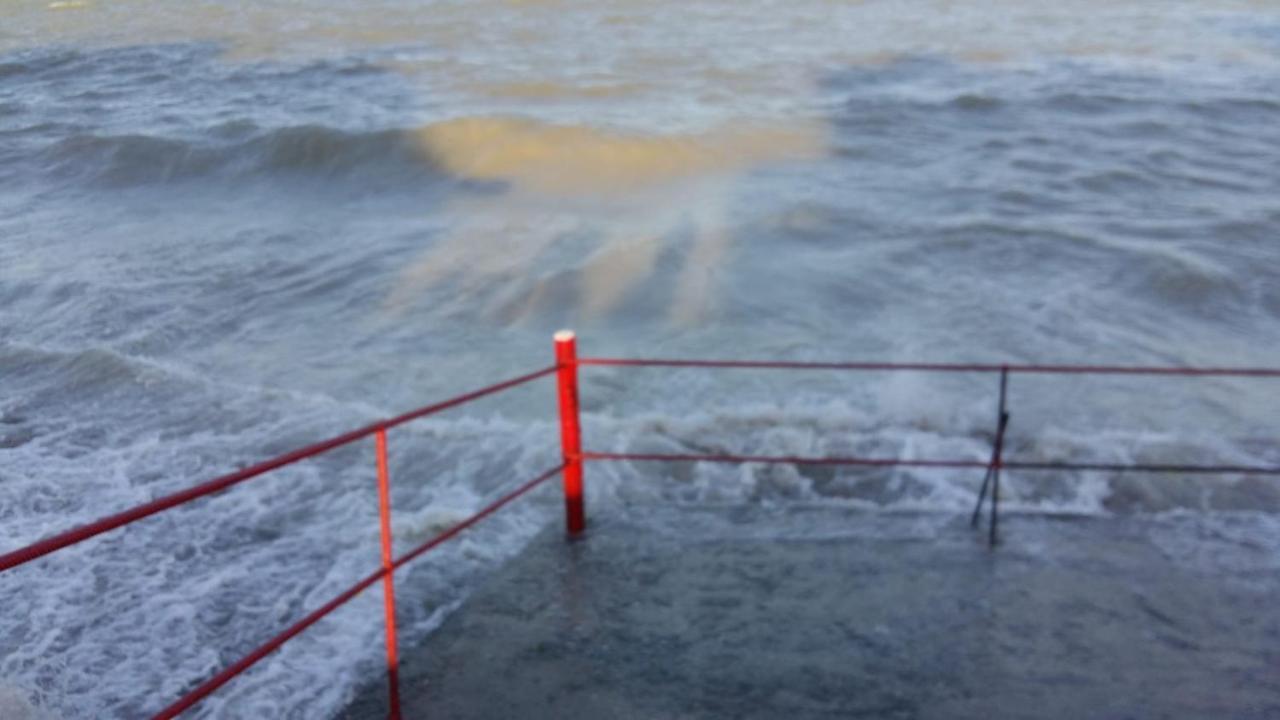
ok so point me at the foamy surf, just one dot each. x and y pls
(15, 704)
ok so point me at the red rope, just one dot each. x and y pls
(248, 661)
(231, 671)
(460, 400)
(784, 460)
(64, 539)
(1146, 467)
(940, 367)
(483, 513)
(897, 462)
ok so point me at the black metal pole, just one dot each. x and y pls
(996, 464)
(986, 478)
(998, 455)
(982, 494)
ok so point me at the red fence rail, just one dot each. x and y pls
(218, 484)
(993, 466)
(571, 470)
(941, 367)
(385, 573)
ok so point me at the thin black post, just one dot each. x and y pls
(997, 457)
(995, 475)
(995, 449)
(982, 494)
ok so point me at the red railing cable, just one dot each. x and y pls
(783, 459)
(1144, 467)
(206, 688)
(931, 463)
(482, 514)
(461, 399)
(939, 367)
(43, 547)
(248, 661)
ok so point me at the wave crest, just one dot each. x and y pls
(570, 159)
(529, 154)
(311, 150)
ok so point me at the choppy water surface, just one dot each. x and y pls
(227, 229)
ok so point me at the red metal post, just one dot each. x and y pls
(388, 577)
(230, 672)
(570, 433)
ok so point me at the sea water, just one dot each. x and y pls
(228, 229)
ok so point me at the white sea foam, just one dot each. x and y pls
(16, 705)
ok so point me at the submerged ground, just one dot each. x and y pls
(814, 613)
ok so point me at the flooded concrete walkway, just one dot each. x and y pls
(838, 614)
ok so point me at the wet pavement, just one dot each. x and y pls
(829, 613)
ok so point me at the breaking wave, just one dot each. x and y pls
(532, 155)
(563, 159)
(233, 151)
